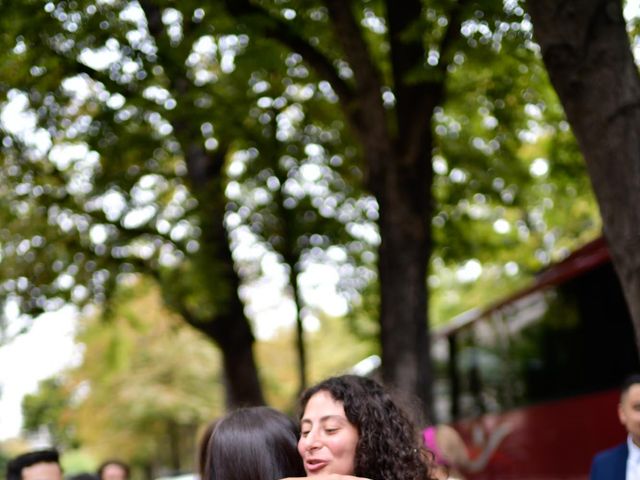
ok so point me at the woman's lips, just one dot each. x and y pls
(315, 465)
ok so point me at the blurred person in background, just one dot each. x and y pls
(623, 461)
(451, 455)
(113, 470)
(35, 465)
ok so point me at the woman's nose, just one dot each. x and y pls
(311, 441)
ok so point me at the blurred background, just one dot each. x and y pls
(212, 204)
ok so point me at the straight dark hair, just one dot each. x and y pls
(255, 443)
(15, 466)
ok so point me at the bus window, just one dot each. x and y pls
(537, 364)
(545, 352)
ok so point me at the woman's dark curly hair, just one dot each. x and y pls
(389, 447)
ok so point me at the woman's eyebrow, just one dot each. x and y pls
(325, 418)
(333, 417)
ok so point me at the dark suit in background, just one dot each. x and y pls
(610, 464)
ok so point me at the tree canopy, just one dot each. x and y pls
(159, 137)
(145, 386)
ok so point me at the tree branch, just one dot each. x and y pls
(451, 35)
(407, 56)
(416, 100)
(282, 32)
(369, 120)
(354, 46)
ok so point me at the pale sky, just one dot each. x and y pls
(43, 351)
(48, 347)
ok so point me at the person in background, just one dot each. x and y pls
(622, 462)
(350, 425)
(451, 454)
(113, 470)
(35, 465)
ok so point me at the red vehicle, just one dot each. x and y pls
(542, 369)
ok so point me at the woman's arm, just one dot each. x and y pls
(455, 451)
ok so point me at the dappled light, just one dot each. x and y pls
(239, 197)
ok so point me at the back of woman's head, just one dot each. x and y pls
(256, 443)
(389, 446)
(203, 444)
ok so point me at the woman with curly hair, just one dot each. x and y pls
(350, 425)
(255, 443)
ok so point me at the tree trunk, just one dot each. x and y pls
(587, 53)
(228, 327)
(403, 259)
(397, 151)
(396, 143)
(291, 256)
(173, 437)
(235, 340)
(300, 343)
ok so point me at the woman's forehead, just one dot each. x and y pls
(323, 404)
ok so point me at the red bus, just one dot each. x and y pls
(542, 368)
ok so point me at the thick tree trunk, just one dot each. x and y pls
(228, 327)
(396, 144)
(397, 148)
(403, 259)
(587, 53)
(233, 336)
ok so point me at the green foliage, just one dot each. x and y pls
(113, 185)
(333, 349)
(511, 188)
(143, 404)
(4, 459)
(77, 461)
(131, 121)
(46, 409)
